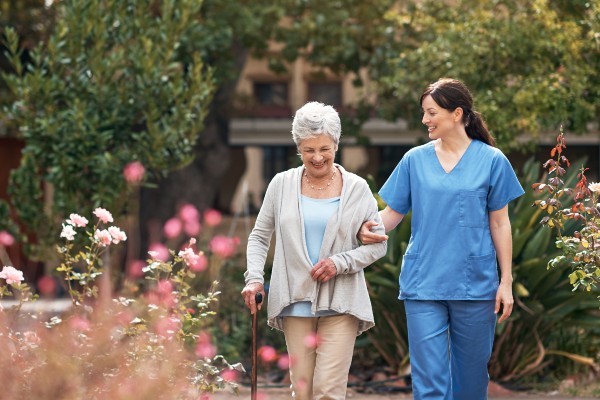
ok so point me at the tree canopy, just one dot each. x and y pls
(154, 81)
(532, 65)
(108, 87)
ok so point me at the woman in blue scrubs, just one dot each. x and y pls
(458, 187)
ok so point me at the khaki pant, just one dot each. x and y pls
(321, 372)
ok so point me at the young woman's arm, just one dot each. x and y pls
(502, 238)
(390, 219)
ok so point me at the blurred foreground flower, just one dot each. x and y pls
(134, 172)
(103, 351)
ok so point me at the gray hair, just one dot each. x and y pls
(316, 118)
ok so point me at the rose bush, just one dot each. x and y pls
(150, 341)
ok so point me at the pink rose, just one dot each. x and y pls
(230, 375)
(312, 340)
(189, 212)
(77, 220)
(68, 232)
(80, 324)
(172, 228)
(103, 237)
(201, 264)
(158, 251)
(6, 239)
(192, 228)
(206, 350)
(223, 246)
(284, 362)
(167, 326)
(103, 215)
(11, 275)
(212, 217)
(46, 285)
(189, 257)
(117, 234)
(267, 354)
(136, 269)
(134, 172)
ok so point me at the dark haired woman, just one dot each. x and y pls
(458, 187)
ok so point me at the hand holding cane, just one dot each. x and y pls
(258, 298)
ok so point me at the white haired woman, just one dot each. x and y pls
(317, 286)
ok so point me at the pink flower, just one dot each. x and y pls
(134, 172)
(312, 340)
(230, 375)
(164, 287)
(206, 350)
(284, 362)
(189, 212)
(103, 237)
(103, 215)
(192, 227)
(117, 234)
(189, 257)
(212, 217)
(68, 232)
(172, 228)
(6, 239)
(223, 246)
(77, 220)
(594, 187)
(11, 275)
(167, 326)
(46, 285)
(201, 264)
(163, 294)
(80, 324)
(267, 354)
(159, 251)
(135, 269)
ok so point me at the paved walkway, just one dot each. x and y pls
(284, 394)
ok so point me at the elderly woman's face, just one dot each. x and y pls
(317, 154)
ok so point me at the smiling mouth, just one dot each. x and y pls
(430, 128)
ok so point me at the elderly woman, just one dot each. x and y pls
(317, 289)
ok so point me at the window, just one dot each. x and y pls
(271, 94)
(329, 93)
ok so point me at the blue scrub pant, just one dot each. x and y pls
(450, 344)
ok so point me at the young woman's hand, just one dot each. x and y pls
(366, 236)
(504, 298)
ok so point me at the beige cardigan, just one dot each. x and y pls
(291, 282)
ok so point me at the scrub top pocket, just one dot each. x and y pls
(472, 209)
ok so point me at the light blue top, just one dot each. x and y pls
(316, 213)
(450, 255)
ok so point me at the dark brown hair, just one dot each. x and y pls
(451, 94)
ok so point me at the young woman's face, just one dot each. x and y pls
(438, 120)
(317, 154)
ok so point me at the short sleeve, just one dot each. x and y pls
(504, 185)
(396, 190)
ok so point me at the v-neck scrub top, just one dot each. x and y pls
(450, 255)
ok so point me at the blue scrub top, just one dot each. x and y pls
(450, 255)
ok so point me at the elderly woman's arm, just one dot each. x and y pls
(258, 247)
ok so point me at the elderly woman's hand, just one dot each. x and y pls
(366, 236)
(324, 270)
(249, 295)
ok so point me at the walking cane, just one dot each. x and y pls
(258, 299)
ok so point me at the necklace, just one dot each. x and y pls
(321, 188)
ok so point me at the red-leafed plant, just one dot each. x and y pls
(574, 213)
